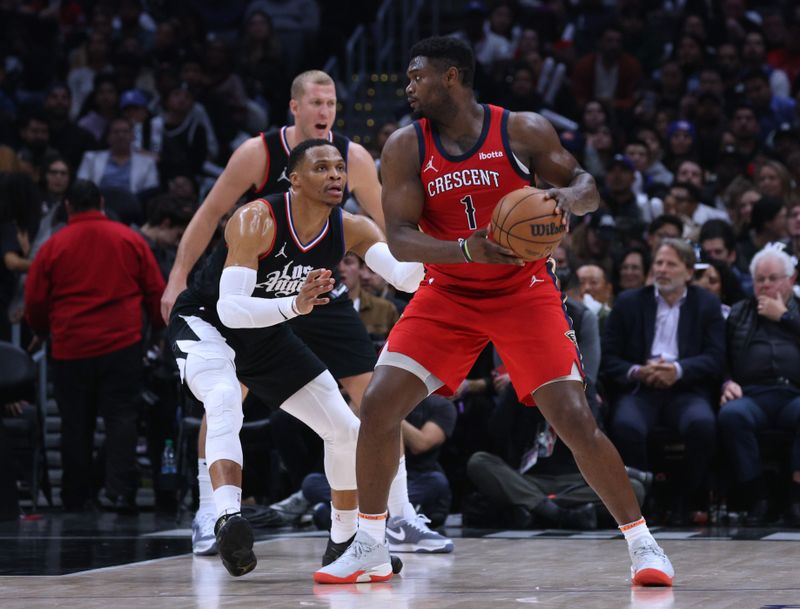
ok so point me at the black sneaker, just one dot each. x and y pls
(235, 543)
(335, 550)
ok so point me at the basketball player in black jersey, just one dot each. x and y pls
(335, 332)
(228, 328)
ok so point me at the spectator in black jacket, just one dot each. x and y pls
(763, 336)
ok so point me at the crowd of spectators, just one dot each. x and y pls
(686, 113)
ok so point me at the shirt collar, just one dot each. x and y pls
(82, 216)
(660, 299)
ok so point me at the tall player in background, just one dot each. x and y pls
(442, 178)
(334, 332)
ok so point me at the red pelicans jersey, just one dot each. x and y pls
(461, 193)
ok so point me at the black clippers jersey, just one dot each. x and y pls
(278, 150)
(283, 269)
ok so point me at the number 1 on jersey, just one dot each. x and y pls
(469, 209)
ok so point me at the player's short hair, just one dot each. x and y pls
(84, 195)
(683, 249)
(299, 152)
(448, 52)
(309, 77)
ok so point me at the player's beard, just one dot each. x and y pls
(417, 114)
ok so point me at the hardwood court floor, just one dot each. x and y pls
(482, 573)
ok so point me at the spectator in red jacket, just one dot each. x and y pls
(609, 74)
(86, 289)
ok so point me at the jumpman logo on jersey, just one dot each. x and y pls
(535, 280)
(430, 166)
(282, 251)
(283, 176)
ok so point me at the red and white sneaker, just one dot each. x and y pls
(650, 566)
(365, 560)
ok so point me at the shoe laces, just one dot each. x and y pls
(420, 523)
(358, 548)
(649, 549)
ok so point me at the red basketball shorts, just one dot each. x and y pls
(445, 331)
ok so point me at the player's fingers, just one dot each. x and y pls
(500, 250)
(481, 233)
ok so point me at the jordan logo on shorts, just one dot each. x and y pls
(282, 251)
(430, 166)
(535, 280)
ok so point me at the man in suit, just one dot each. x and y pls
(663, 358)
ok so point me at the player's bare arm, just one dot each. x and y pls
(245, 170)
(403, 200)
(362, 177)
(249, 234)
(534, 139)
(363, 237)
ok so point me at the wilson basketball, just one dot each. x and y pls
(523, 221)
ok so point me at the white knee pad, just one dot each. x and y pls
(214, 382)
(320, 406)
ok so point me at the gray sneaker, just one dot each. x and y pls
(364, 561)
(204, 542)
(294, 508)
(649, 564)
(413, 535)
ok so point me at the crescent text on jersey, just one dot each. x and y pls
(462, 178)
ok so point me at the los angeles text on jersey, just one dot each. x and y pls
(286, 281)
(464, 177)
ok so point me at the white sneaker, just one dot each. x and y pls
(413, 535)
(294, 508)
(649, 565)
(204, 541)
(365, 560)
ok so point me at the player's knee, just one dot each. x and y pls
(344, 435)
(379, 409)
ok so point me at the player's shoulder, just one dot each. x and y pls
(255, 214)
(401, 141)
(527, 121)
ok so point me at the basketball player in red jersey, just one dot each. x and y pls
(442, 177)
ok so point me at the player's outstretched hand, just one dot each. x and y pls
(483, 249)
(318, 282)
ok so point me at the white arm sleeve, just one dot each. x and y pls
(405, 276)
(238, 309)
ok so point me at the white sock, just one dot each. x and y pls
(635, 531)
(373, 525)
(206, 491)
(228, 499)
(344, 524)
(399, 505)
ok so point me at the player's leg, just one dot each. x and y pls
(206, 364)
(564, 405)
(391, 395)
(204, 541)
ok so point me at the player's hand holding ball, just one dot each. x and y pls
(482, 249)
(531, 222)
(318, 282)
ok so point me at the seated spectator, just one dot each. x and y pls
(656, 172)
(103, 106)
(664, 227)
(716, 277)
(102, 274)
(167, 218)
(378, 314)
(34, 143)
(628, 208)
(767, 225)
(773, 180)
(69, 139)
(683, 200)
(663, 355)
(178, 136)
(718, 242)
(763, 335)
(793, 228)
(632, 271)
(425, 429)
(596, 292)
(681, 138)
(595, 240)
(133, 105)
(771, 109)
(608, 74)
(120, 166)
